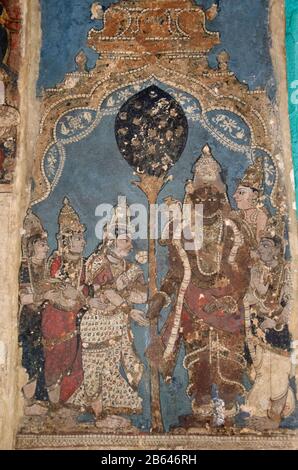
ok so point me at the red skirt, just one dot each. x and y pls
(63, 352)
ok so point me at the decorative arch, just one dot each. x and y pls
(63, 104)
(241, 120)
(129, 59)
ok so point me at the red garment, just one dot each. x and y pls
(196, 299)
(229, 328)
(63, 361)
(205, 367)
(104, 277)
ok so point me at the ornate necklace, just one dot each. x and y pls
(118, 265)
(217, 226)
(73, 270)
(251, 216)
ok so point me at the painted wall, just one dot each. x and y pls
(64, 33)
(65, 26)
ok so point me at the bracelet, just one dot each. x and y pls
(276, 329)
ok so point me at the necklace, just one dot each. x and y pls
(73, 270)
(218, 238)
(217, 213)
(251, 216)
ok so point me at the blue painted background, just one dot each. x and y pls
(95, 172)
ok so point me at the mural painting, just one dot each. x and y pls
(131, 322)
(10, 55)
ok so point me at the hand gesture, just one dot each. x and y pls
(71, 293)
(52, 295)
(98, 303)
(211, 307)
(267, 324)
(26, 299)
(139, 317)
(122, 282)
(258, 282)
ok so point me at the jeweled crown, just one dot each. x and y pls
(68, 220)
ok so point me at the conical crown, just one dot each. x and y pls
(207, 162)
(68, 220)
(32, 226)
(254, 175)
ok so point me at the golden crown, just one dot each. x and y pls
(68, 220)
(254, 175)
(208, 171)
(275, 227)
(32, 226)
(206, 160)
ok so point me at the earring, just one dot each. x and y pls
(255, 201)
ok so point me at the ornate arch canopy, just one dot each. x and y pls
(152, 79)
(140, 43)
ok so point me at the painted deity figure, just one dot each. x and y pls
(268, 308)
(62, 345)
(105, 330)
(247, 197)
(202, 283)
(206, 172)
(33, 277)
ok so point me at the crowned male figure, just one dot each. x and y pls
(201, 287)
(248, 197)
(62, 345)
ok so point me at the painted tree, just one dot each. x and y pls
(151, 131)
